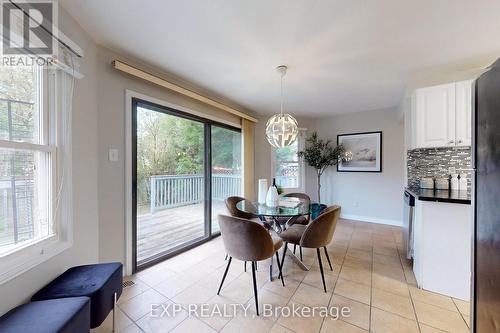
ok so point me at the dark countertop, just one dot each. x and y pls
(450, 196)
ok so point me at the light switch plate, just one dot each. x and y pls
(113, 155)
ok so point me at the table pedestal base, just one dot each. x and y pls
(296, 260)
(293, 257)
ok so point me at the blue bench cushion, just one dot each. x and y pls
(99, 282)
(66, 315)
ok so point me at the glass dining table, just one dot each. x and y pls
(279, 218)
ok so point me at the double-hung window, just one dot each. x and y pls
(287, 168)
(31, 168)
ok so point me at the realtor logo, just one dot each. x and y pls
(27, 27)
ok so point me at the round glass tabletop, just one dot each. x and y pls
(288, 208)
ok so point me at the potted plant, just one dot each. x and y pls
(321, 154)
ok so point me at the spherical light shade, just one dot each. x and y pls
(281, 130)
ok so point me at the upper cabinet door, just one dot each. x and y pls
(435, 116)
(463, 113)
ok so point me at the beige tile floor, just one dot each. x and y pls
(369, 276)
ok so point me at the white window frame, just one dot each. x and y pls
(56, 140)
(302, 174)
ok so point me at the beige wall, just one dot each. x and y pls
(85, 204)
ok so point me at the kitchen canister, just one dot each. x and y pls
(454, 182)
(442, 183)
(462, 182)
(262, 191)
(427, 182)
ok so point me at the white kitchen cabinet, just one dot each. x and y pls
(441, 115)
(463, 114)
(435, 116)
(442, 248)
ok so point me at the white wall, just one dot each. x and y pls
(373, 197)
(85, 204)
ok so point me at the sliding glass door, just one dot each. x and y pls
(226, 169)
(183, 169)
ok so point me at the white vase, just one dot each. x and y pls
(272, 197)
(262, 191)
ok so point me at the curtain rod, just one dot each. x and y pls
(121, 66)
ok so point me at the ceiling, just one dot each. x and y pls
(343, 56)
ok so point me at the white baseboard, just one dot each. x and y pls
(372, 219)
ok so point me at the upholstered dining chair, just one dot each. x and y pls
(231, 203)
(317, 234)
(248, 240)
(303, 219)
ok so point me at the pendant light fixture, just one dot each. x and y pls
(282, 128)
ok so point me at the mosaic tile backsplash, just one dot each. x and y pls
(434, 162)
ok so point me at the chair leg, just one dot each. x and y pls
(271, 269)
(279, 268)
(300, 249)
(294, 248)
(255, 287)
(283, 259)
(225, 273)
(321, 268)
(114, 312)
(328, 258)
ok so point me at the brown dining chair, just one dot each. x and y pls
(248, 240)
(231, 203)
(318, 234)
(303, 219)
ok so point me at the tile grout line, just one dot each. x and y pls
(290, 299)
(335, 284)
(362, 328)
(409, 292)
(371, 287)
(301, 282)
(460, 312)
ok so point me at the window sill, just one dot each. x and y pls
(32, 255)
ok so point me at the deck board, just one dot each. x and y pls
(168, 228)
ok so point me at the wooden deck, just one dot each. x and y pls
(168, 228)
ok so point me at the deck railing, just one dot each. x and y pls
(169, 191)
(16, 184)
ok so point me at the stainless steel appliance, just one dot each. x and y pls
(408, 223)
(486, 162)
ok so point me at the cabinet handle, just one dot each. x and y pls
(459, 141)
(451, 141)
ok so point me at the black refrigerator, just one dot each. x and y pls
(486, 162)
